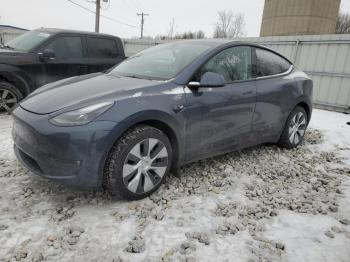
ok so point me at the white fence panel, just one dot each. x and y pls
(6, 37)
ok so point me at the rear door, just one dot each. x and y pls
(103, 53)
(219, 119)
(70, 58)
(273, 88)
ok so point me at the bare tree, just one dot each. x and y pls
(190, 35)
(229, 25)
(184, 35)
(172, 27)
(200, 34)
(343, 24)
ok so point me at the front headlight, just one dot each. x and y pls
(81, 116)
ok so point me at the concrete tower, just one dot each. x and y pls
(299, 17)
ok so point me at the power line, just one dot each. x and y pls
(81, 6)
(106, 17)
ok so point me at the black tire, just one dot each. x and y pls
(114, 181)
(286, 141)
(9, 96)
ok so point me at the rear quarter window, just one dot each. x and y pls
(269, 64)
(102, 48)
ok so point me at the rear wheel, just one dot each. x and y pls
(294, 130)
(9, 96)
(138, 163)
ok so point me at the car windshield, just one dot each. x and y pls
(161, 62)
(28, 41)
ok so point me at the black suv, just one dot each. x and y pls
(45, 55)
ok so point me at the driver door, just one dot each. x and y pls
(69, 59)
(220, 118)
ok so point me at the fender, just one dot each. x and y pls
(142, 117)
(306, 88)
(18, 77)
(303, 99)
(300, 100)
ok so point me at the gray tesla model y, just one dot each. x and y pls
(166, 106)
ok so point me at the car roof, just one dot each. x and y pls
(217, 42)
(209, 42)
(58, 30)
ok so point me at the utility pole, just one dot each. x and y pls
(97, 19)
(142, 21)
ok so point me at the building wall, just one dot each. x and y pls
(8, 33)
(299, 17)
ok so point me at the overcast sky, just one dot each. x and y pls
(188, 14)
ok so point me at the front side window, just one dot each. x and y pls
(234, 63)
(269, 64)
(67, 47)
(161, 62)
(102, 48)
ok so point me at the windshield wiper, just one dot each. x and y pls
(134, 76)
(8, 47)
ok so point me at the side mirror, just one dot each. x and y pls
(209, 79)
(47, 54)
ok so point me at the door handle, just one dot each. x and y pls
(178, 108)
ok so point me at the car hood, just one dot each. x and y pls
(7, 52)
(81, 90)
(8, 56)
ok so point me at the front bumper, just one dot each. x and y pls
(72, 155)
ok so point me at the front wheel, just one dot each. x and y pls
(9, 96)
(138, 163)
(294, 130)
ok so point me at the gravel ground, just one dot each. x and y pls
(258, 204)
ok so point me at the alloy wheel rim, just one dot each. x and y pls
(7, 99)
(297, 128)
(145, 166)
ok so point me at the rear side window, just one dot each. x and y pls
(269, 64)
(233, 63)
(102, 48)
(67, 47)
